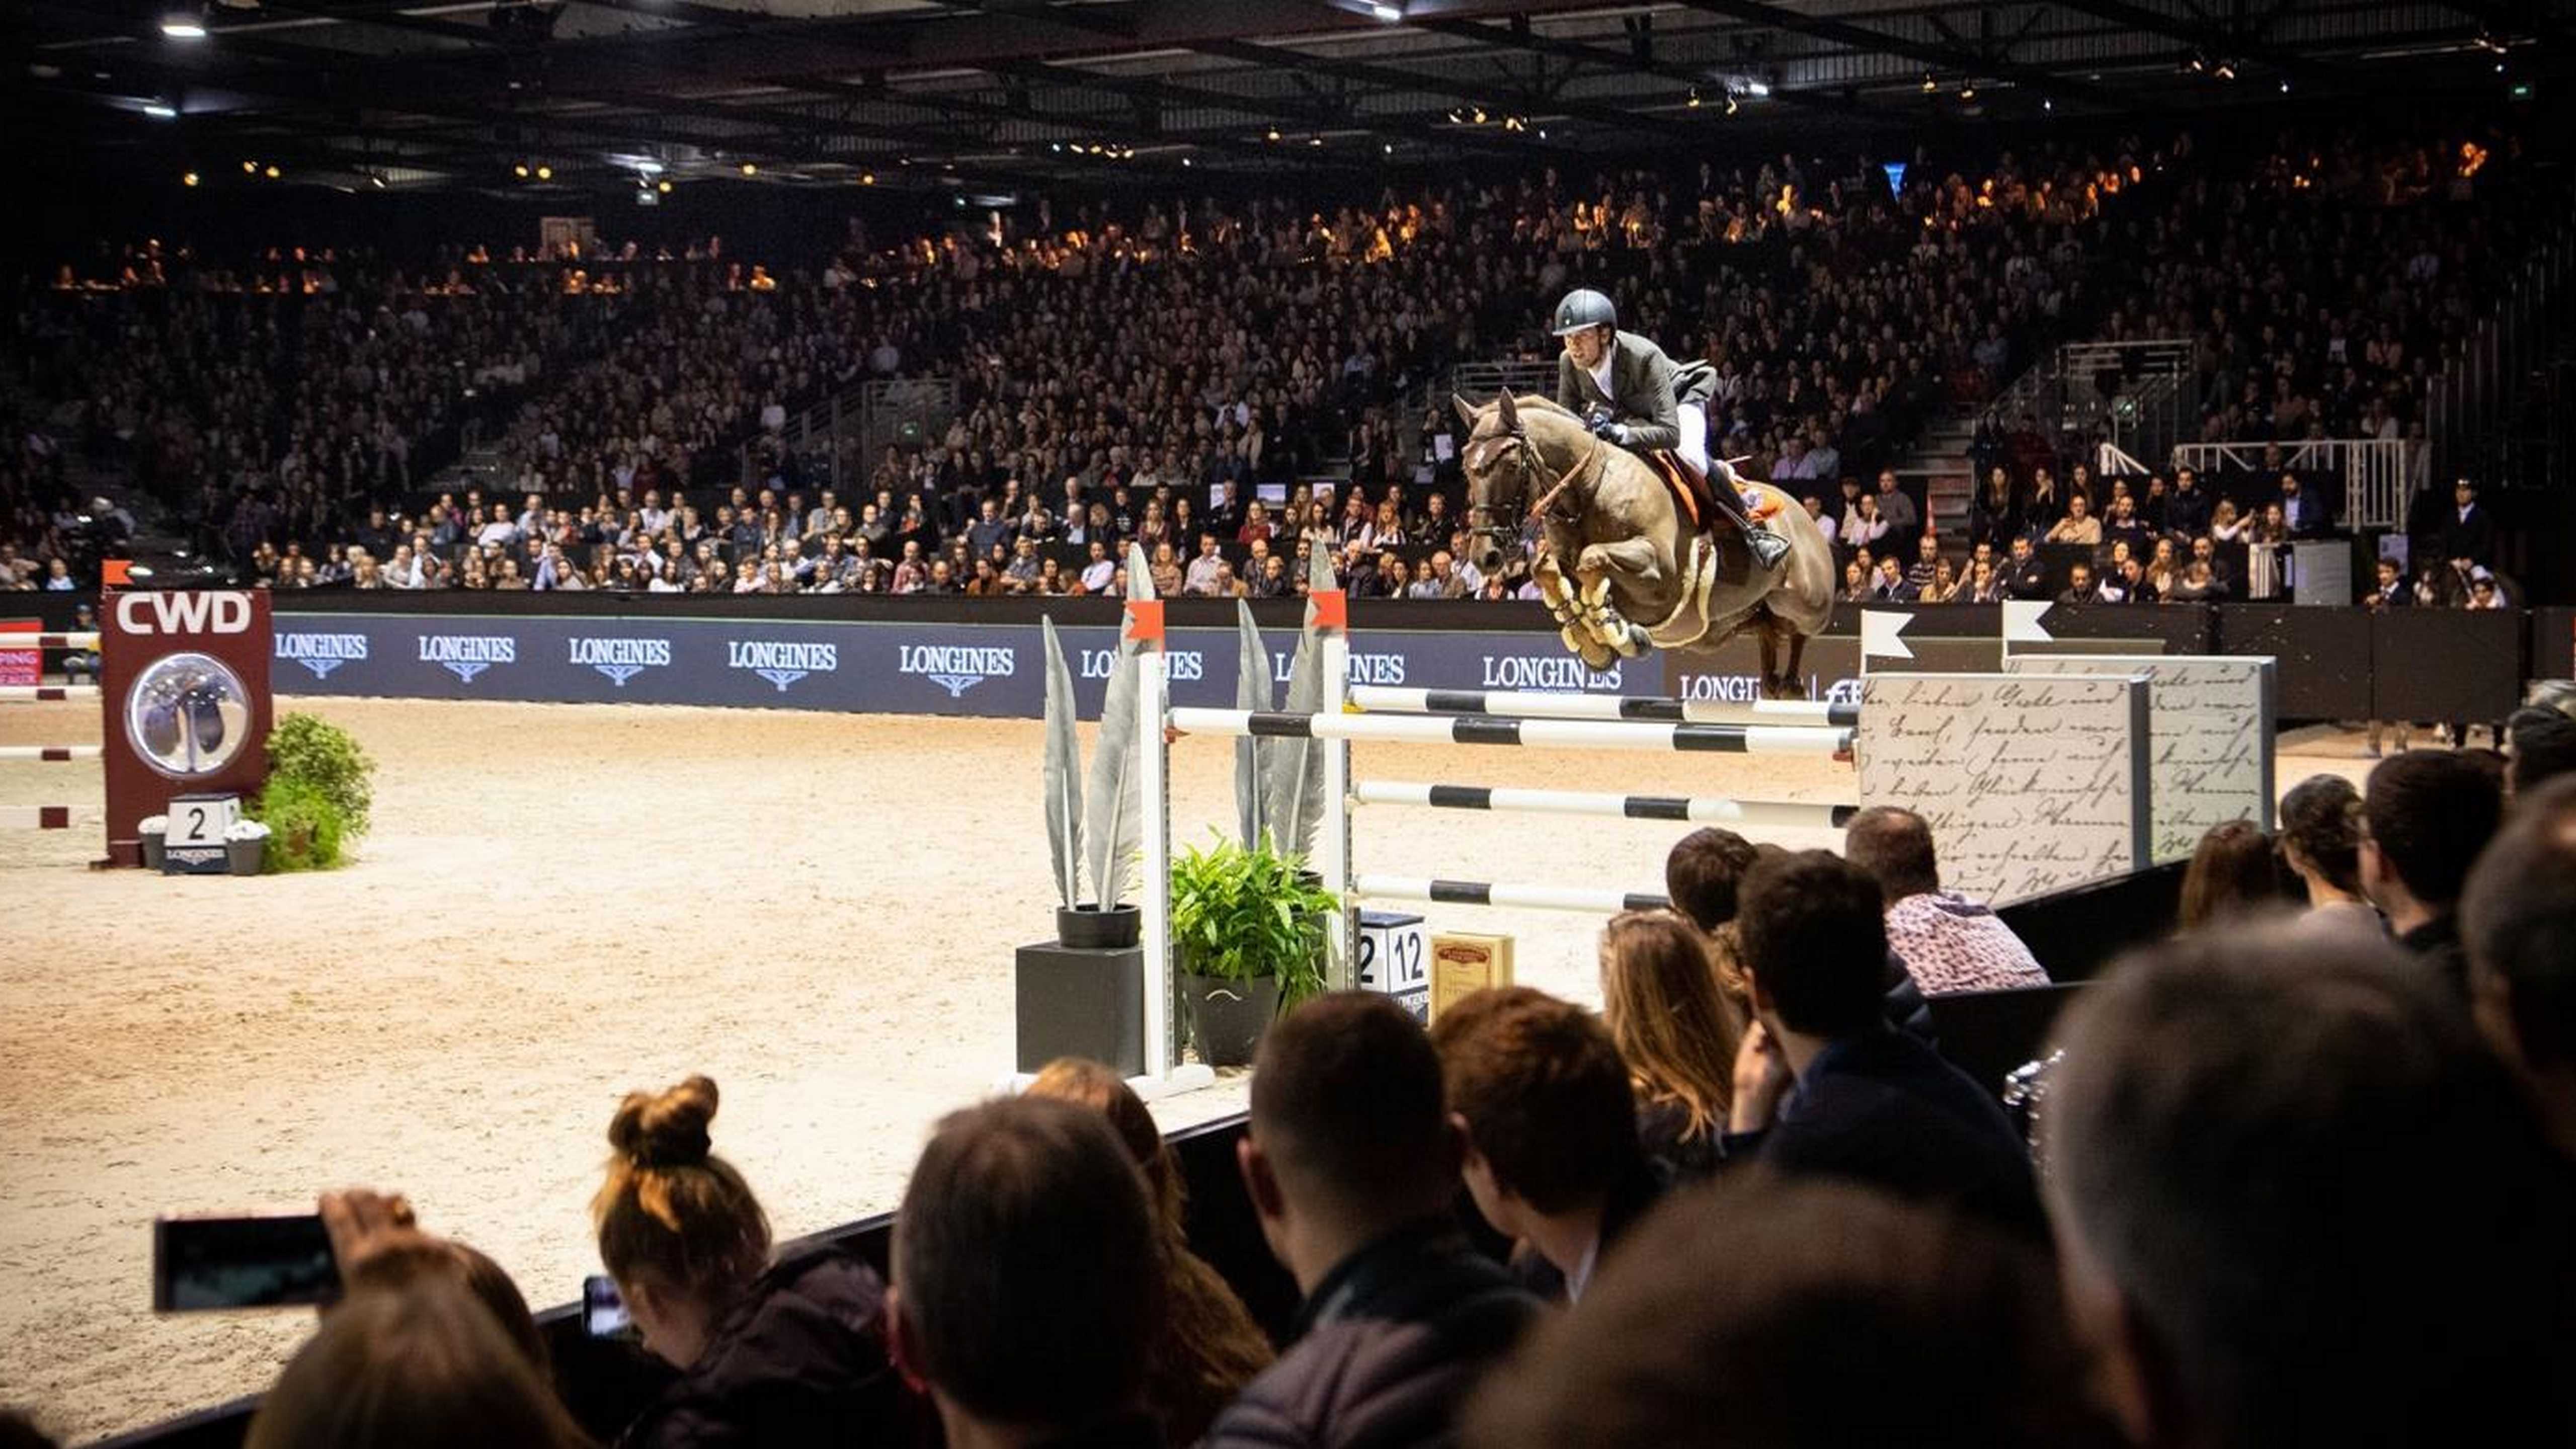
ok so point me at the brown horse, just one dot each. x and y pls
(1643, 575)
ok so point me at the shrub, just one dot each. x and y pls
(305, 826)
(307, 751)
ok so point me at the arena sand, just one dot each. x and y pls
(563, 902)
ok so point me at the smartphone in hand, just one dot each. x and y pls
(241, 1261)
(603, 1312)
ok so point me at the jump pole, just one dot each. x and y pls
(1539, 704)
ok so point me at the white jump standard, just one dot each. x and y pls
(1537, 704)
(1572, 734)
(1693, 809)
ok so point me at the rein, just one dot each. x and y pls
(1573, 470)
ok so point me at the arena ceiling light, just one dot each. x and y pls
(183, 25)
(161, 110)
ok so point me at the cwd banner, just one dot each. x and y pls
(863, 668)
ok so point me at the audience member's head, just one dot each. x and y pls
(2231, 876)
(1544, 1100)
(2425, 816)
(421, 1365)
(1702, 874)
(1815, 943)
(678, 1227)
(1894, 845)
(2518, 919)
(1097, 1085)
(2321, 831)
(426, 1259)
(1674, 1025)
(1025, 1291)
(1207, 1345)
(1771, 1313)
(2298, 1203)
(17, 1431)
(1349, 1137)
(2540, 737)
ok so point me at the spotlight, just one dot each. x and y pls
(1387, 147)
(1457, 117)
(1274, 133)
(1968, 92)
(2225, 70)
(1542, 133)
(271, 172)
(520, 171)
(376, 180)
(1929, 84)
(183, 25)
(1757, 89)
(1694, 98)
(188, 179)
(545, 173)
(250, 168)
(664, 187)
(1480, 115)
(1388, 13)
(161, 112)
(751, 168)
(2285, 88)
(1314, 140)
(1731, 107)
(2047, 103)
(1186, 161)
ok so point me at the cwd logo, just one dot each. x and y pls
(467, 655)
(170, 611)
(322, 653)
(957, 668)
(622, 659)
(781, 662)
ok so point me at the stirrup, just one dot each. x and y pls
(1768, 548)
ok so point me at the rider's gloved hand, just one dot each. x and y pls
(1610, 431)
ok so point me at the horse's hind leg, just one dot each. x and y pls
(1789, 686)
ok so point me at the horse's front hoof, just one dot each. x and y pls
(1632, 641)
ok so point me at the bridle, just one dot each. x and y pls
(1527, 466)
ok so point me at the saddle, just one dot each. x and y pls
(1694, 493)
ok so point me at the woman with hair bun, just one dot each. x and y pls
(2321, 842)
(784, 1353)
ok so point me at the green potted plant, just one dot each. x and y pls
(1248, 938)
(317, 796)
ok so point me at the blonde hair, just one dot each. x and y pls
(1675, 1024)
(671, 1211)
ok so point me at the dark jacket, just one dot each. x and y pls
(801, 1360)
(1886, 1110)
(1676, 1157)
(1389, 1345)
(1646, 390)
(1634, 1192)
(2471, 538)
(2437, 944)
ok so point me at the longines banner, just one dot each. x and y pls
(901, 668)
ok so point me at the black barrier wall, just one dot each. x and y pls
(981, 656)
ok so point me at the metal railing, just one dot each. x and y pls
(846, 432)
(2133, 395)
(2469, 405)
(1480, 381)
(2376, 479)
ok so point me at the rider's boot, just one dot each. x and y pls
(1768, 548)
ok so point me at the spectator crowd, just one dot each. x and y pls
(1207, 355)
(2298, 1174)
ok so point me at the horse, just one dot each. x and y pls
(1642, 573)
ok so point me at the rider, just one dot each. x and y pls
(1637, 398)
